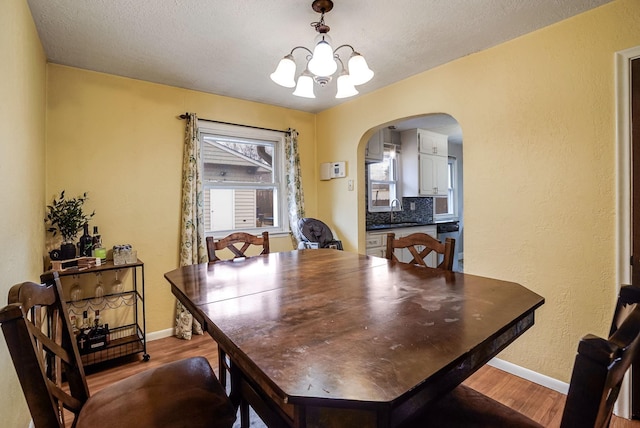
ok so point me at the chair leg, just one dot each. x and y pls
(244, 414)
(222, 367)
(236, 396)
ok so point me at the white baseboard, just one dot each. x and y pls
(155, 335)
(530, 375)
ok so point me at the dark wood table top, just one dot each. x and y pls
(328, 326)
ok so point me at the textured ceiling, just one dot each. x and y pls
(229, 47)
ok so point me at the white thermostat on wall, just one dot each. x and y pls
(329, 170)
(338, 170)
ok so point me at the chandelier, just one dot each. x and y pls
(323, 63)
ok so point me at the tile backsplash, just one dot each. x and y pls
(422, 214)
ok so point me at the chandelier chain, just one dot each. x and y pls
(320, 26)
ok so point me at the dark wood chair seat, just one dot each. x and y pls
(598, 371)
(179, 394)
(41, 343)
(420, 245)
(466, 407)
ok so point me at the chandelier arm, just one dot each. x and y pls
(301, 47)
(343, 46)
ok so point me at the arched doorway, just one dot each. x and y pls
(400, 181)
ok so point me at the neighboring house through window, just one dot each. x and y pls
(243, 180)
(383, 178)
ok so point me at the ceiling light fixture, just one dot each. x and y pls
(322, 63)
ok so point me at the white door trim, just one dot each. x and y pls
(623, 193)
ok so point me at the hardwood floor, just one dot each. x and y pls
(535, 401)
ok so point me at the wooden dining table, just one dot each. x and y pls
(328, 338)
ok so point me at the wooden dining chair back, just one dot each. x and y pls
(36, 328)
(628, 298)
(231, 243)
(599, 368)
(39, 336)
(598, 371)
(420, 245)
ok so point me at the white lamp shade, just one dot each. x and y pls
(322, 63)
(305, 86)
(359, 70)
(285, 72)
(345, 87)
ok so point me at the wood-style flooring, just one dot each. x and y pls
(539, 403)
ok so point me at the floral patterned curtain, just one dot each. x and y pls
(295, 197)
(192, 241)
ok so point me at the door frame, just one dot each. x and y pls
(623, 191)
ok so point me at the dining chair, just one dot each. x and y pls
(231, 242)
(38, 332)
(420, 245)
(628, 297)
(598, 371)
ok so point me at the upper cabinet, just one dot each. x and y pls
(431, 143)
(375, 147)
(424, 163)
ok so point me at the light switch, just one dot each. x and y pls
(350, 185)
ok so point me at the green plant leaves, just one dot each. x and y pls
(67, 216)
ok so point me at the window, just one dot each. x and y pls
(243, 180)
(445, 208)
(383, 181)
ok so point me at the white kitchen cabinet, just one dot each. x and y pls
(375, 147)
(432, 143)
(377, 243)
(433, 175)
(424, 163)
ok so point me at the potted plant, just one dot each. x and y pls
(67, 217)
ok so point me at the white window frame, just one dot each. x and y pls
(452, 192)
(280, 205)
(395, 165)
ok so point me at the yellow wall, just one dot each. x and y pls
(120, 140)
(539, 145)
(22, 153)
(538, 120)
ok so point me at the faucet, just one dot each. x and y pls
(394, 200)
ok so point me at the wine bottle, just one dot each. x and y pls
(97, 239)
(83, 337)
(86, 242)
(107, 334)
(97, 335)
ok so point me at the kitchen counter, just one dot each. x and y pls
(373, 227)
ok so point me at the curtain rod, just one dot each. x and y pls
(184, 116)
